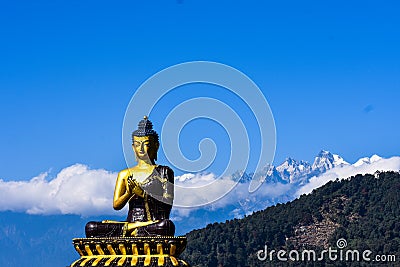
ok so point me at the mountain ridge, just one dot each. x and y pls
(300, 171)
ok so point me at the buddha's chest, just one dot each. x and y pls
(141, 176)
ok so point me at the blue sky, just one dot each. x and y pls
(330, 71)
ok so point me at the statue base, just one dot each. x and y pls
(130, 251)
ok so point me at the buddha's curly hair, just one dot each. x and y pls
(145, 128)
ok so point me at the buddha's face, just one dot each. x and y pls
(145, 147)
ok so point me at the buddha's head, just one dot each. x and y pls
(145, 142)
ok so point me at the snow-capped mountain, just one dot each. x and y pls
(325, 160)
(298, 172)
(367, 160)
(293, 171)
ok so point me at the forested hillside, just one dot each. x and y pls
(364, 210)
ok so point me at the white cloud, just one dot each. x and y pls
(192, 179)
(362, 166)
(75, 190)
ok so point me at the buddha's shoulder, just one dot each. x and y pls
(126, 172)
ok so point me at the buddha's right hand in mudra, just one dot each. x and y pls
(134, 187)
(148, 190)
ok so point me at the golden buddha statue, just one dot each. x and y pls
(147, 188)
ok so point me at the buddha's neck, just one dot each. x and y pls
(142, 164)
